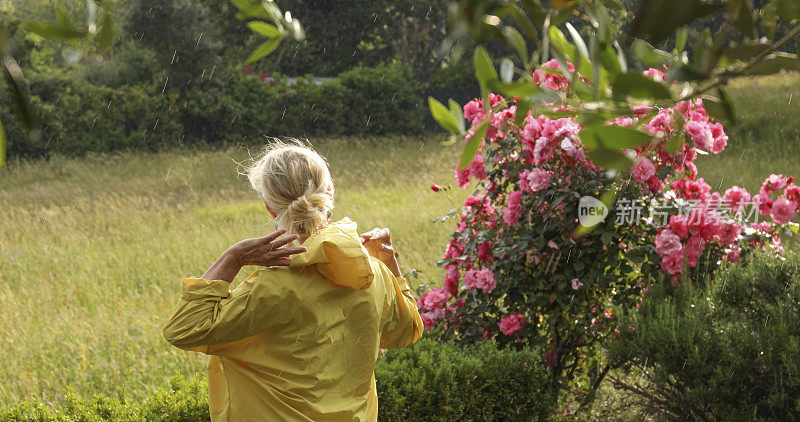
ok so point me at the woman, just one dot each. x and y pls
(297, 340)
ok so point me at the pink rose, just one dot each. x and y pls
(667, 243)
(480, 279)
(783, 210)
(679, 225)
(534, 180)
(513, 208)
(510, 324)
(673, 263)
(764, 202)
(473, 110)
(451, 279)
(434, 299)
(736, 197)
(643, 170)
(700, 134)
(655, 74)
(463, 177)
(576, 284)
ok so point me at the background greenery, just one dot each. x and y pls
(131, 198)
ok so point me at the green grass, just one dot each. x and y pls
(91, 252)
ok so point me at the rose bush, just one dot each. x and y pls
(520, 269)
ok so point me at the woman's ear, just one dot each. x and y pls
(269, 210)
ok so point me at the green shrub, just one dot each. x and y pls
(433, 381)
(724, 350)
(77, 117)
(429, 381)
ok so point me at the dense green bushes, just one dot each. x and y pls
(429, 381)
(724, 350)
(77, 117)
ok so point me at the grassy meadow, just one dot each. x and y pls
(92, 250)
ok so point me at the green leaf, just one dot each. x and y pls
(745, 52)
(649, 55)
(675, 142)
(616, 138)
(13, 76)
(263, 50)
(769, 19)
(658, 19)
(636, 85)
(788, 9)
(442, 116)
(55, 32)
(265, 29)
(719, 108)
(474, 143)
(516, 41)
(609, 159)
(108, 30)
(520, 89)
(774, 63)
(742, 15)
(458, 114)
(560, 42)
(613, 4)
(506, 70)
(610, 61)
(250, 9)
(680, 40)
(576, 38)
(484, 69)
(523, 106)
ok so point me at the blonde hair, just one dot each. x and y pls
(294, 181)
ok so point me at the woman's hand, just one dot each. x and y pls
(378, 242)
(267, 251)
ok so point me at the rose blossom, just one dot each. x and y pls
(700, 133)
(480, 279)
(667, 243)
(514, 207)
(643, 170)
(510, 324)
(576, 284)
(473, 110)
(534, 180)
(736, 197)
(783, 210)
(434, 299)
(655, 74)
(673, 263)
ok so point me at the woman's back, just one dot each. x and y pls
(299, 343)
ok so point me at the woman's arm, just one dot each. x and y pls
(207, 313)
(403, 324)
(264, 251)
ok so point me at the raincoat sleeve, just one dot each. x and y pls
(208, 313)
(402, 325)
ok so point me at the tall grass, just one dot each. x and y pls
(91, 251)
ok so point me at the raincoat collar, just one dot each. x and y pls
(338, 255)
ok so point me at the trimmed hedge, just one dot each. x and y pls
(429, 381)
(77, 117)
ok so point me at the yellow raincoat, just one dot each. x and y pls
(298, 343)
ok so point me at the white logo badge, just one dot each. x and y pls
(591, 211)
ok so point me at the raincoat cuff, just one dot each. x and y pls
(197, 288)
